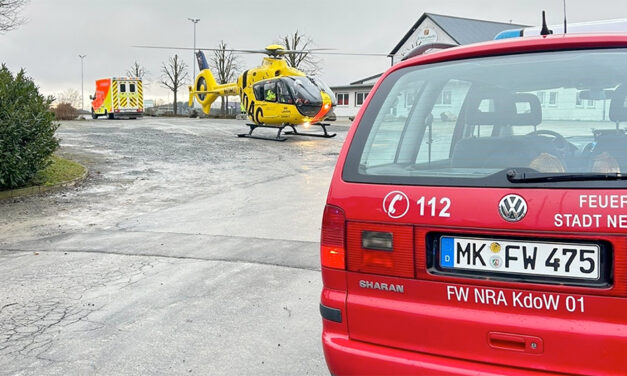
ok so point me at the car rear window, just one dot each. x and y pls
(472, 122)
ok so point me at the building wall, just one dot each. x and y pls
(352, 107)
(565, 106)
(436, 34)
(557, 104)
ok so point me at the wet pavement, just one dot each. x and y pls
(186, 251)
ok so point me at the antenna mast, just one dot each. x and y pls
(564, 16)
(545, 29)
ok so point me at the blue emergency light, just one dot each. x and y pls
(592, 27)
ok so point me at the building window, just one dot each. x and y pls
(342, 99)
(444, 98)
(553, 98)
(541, 95)
(590, 104)
(578, 101)
(410, 99)
(360, 98)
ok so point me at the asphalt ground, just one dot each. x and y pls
(186, 251)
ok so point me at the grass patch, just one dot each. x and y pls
(59, 171)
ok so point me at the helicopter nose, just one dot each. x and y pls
(325, 107)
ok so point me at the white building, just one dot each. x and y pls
(350, 97)
(429, 28)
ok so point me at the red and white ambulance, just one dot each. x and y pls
(476, 222)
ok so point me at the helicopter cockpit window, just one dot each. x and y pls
(324, 87)
(258, 90)
(305, 91)
(269, 92)
(284, 93)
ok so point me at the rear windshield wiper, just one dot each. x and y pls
(516, 176)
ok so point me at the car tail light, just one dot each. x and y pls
(380, 249)
(332, 239)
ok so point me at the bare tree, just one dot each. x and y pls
(173, 76)
(305, 62)
(136, 70)
(225, 66)
(9, 14)
(71, 97)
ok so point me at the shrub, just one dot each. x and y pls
(26, 129)
(65, 111)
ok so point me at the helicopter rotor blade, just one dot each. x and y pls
(321, 51)
(204, 49)
(278, 52)
(350, 54)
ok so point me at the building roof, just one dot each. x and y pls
(363, 84)
(372, 78)
(461, 30)
(362, 87)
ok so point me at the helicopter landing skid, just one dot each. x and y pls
(280, 130)
(307, 134)
(255, 126)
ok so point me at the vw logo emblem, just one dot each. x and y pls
(513, 208)
(396, 204)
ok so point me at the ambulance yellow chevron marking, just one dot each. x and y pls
(116, 103)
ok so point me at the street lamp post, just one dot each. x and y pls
(82, 92)
(195, 21)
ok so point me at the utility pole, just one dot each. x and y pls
(82, 92)
(195, 21)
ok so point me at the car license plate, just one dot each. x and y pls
(559, 260)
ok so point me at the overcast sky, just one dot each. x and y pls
(57, 31)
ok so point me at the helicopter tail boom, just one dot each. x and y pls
(206, 90)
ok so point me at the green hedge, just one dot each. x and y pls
(26, 130)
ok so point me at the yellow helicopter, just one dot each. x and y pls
(273, 95)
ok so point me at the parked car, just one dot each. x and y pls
(491, 242)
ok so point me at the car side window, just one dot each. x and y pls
(388, 130)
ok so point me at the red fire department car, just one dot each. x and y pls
(476, 221)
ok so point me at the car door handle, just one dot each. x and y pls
(516, 342)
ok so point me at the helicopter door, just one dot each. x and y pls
(286, 100)
(284, 93)
(269, 107)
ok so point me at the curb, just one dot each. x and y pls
(30, 191)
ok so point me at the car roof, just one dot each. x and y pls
(515, 46)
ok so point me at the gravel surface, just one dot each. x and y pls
(186, 250)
